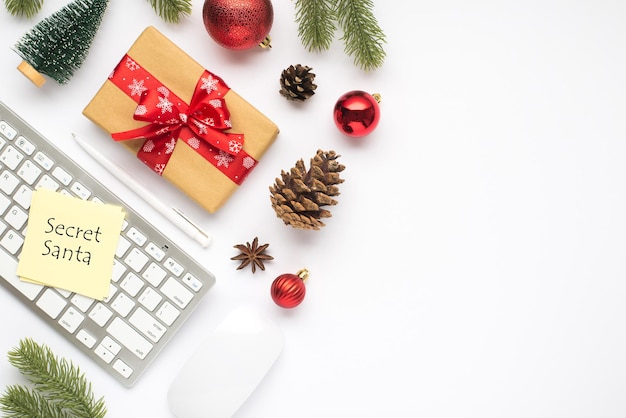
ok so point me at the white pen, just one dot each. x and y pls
(174, 215)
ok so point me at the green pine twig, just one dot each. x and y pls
(316, 23)
(27, 8)
(56, 380)
(19, 402)
(171, 10)
(363, 37)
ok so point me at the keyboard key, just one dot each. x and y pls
(16, 217)
(11, 157)
(25, 145)
(63, 176)
(167, 313)
(71, 319)
(111, 345)
(136, 236)
(176, 292)
(80, 190)
(129, 338)
(82, 302)
(154, 274)
(51, 303)
(102, 352)
(100, 314)
(192, 282)
(4, 203)
(29, 172)
(132, 284)
(150, 298)
(122, 304)
(122, 246)
(118, 270)
(122, 368)
(7, 130)
(147, 325)
(136, 259)
(47, 182)
(23, 196)
(174, 267)
(43, 160)
(8, 182)
(86, 338)
(157, 253)
(12, 242)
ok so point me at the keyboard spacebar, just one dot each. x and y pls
(8, 269)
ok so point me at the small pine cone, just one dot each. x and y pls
(297, 83)
(299, 195)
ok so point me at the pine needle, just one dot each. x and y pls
(56, 380)
(171, 10)
(27, 8)
(20, 402)
(363, 37)
(316, 23)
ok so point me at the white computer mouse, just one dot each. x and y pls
(227, 367)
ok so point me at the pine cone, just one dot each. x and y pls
(297, 83)
(299, 195)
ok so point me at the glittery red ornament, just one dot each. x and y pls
(238, 24)
(357, 113)
(288, 290)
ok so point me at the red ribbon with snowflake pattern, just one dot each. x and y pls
(200, 124)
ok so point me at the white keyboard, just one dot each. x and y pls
(155, 285)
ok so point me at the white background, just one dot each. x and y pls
(474, 266)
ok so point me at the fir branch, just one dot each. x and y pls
(20, 402)
(28, 8)
(171, 10)
(57, 379)
(316, 23)
(363, 37)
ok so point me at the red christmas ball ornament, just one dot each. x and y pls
(288, 290)
(357, 113)
(238, 24)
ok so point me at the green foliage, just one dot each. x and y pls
(171, 10)
(58, 44)
(363, 38)
(316, 23)
(60, 389)
(26, 8)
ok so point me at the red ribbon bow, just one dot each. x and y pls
(200, 124)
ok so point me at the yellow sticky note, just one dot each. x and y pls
(70, 243)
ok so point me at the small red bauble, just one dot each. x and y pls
(357, 113)
(288, 290)
(238, 24)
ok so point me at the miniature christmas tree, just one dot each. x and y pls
(58, 45)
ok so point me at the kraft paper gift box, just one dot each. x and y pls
(181, 120)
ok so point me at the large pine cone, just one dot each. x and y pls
(298, 196)
(296, 83)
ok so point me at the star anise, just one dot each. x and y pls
(252, 254)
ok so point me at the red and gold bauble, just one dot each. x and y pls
(288, 289)
(238, 24)
(357, 113)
